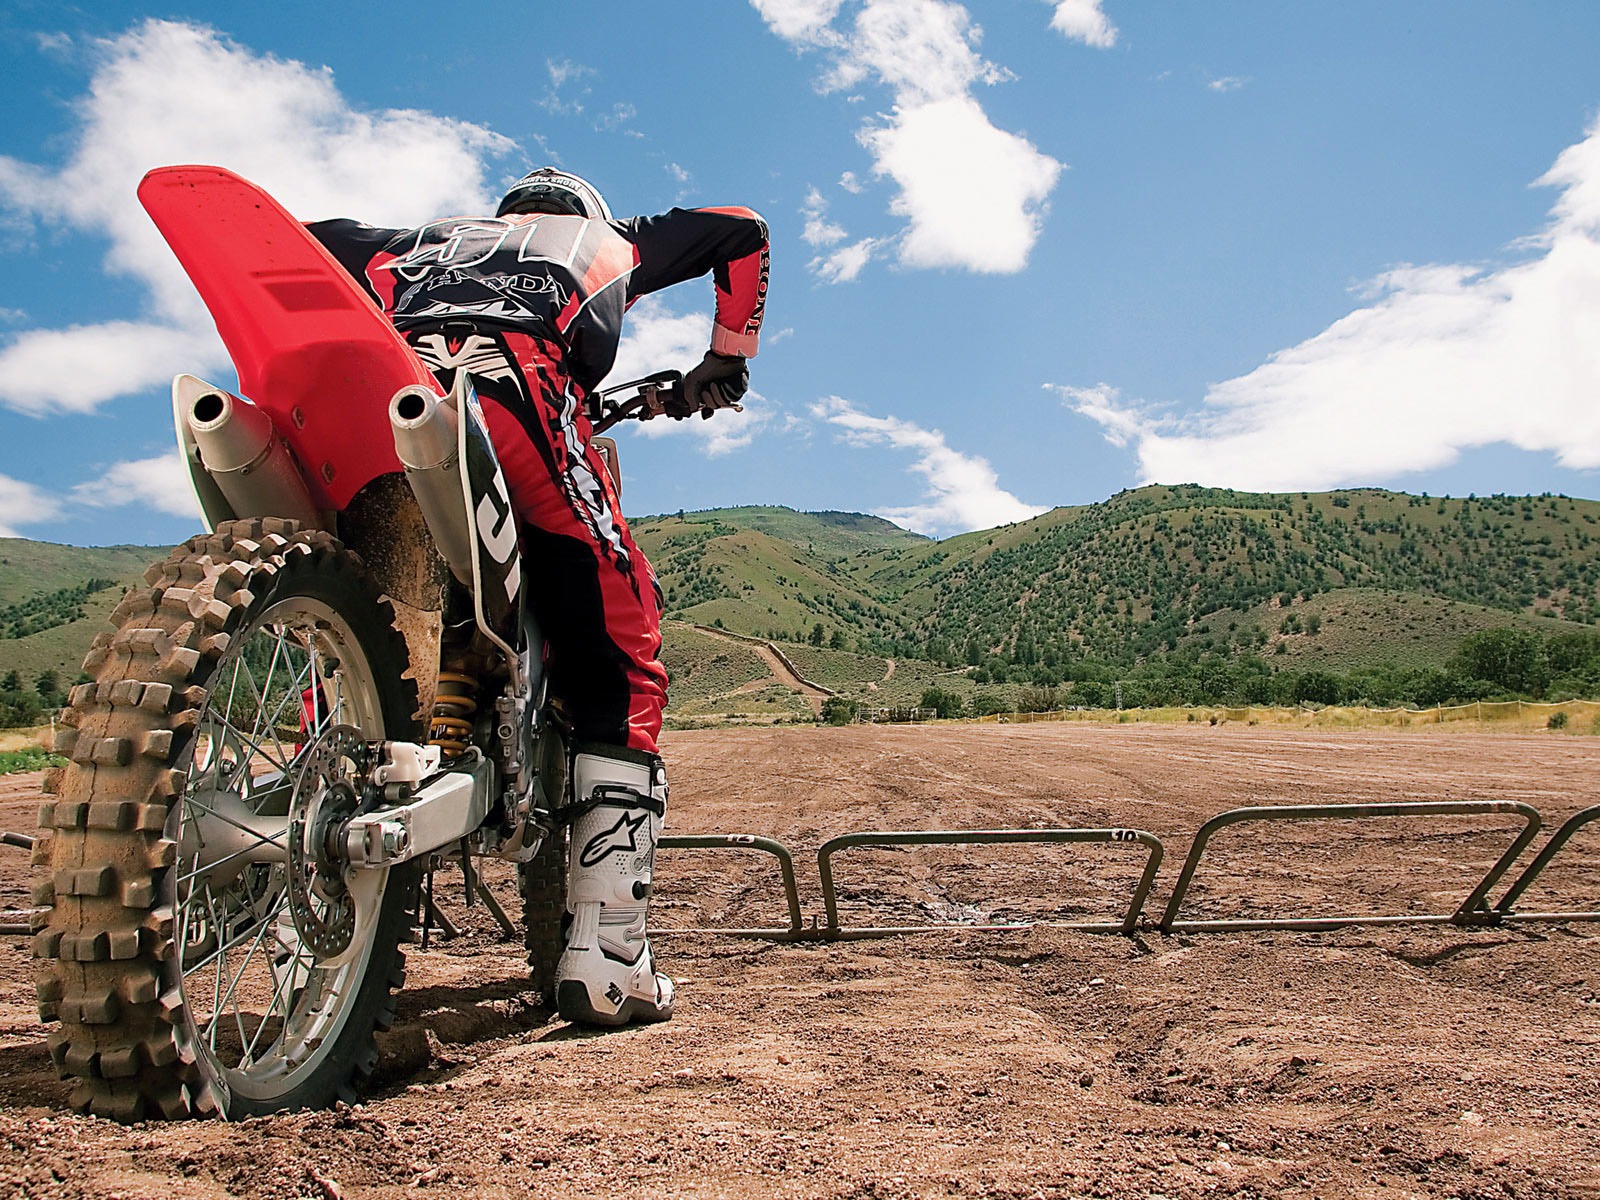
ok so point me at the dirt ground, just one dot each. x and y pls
(1375, 1061)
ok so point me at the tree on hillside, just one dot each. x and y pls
(837, 710)
(943, 703)
(1090, 693)
(1511, 659)
(988, 703)
(1037, 699)
(1316, 687)
(1571, 651)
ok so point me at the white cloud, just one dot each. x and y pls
(49, 372)
(851, 184)
(657, 339)
(1101, 404)
(613, 120)
(925, 53)
(799, 20)
(161, 483)
(963, 492)
(845, 264)
(1083, 21)
(24, 504)
(924, 149)
(1227, 83)
(168, 92)
(818, 230)
(564, 72)
(921, 49)
(1445, 358)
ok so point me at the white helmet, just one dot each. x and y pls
(551, 190)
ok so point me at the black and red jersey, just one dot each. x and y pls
(564, 280)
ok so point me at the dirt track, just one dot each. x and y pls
(1410, 1061)
(780, 668)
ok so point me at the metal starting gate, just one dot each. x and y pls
(1474, 909)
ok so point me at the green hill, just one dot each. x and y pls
(768, 578)
(1332, 581)
(54, 599)
(1356, 628)
(30, 569)
(829, 534)
(1135, 577)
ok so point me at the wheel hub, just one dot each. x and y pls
(326, 796)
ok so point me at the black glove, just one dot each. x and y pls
(720, 381)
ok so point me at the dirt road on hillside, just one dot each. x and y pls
(781, 670)
(1394, 1062)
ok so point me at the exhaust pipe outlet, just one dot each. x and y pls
(425, 439)
(241, 451)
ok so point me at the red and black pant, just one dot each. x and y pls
(595, 597)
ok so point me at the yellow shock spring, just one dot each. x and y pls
(454, 701)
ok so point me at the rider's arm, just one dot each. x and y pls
(353, 245)
(683, 244)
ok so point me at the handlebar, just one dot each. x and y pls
(653, 396)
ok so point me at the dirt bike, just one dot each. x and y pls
(334, 687)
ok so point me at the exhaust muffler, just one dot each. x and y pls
(426, 441)
(239, 449)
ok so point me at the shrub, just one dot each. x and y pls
(837, 710)
(1316, 687)
(943, 703)
(1558, 720)
(1037, 699)
(1091, 693)
(986, 704)
(31, 759)
(1512, 659)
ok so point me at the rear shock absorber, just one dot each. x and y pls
(455, 700)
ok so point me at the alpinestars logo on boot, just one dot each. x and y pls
(623, 838)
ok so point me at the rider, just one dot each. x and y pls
(530, 303)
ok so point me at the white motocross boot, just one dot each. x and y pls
(606, 975)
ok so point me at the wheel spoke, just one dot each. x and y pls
(227, 998)
(220, 958)
(222, 948)
(281, 979)
(297, 681)
(270, 725)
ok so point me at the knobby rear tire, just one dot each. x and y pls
(543, 883)
(108, 863)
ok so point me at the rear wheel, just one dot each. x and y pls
(543, 881)
(203, 951)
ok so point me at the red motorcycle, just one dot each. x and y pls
(336, 686)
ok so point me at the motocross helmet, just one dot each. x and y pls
(551, 190)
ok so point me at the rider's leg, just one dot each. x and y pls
(598, 604)
(593, 592)
(607, 976)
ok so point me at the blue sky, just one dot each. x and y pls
(1025, 252)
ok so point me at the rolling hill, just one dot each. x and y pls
(1339, 581)
(54, 599)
